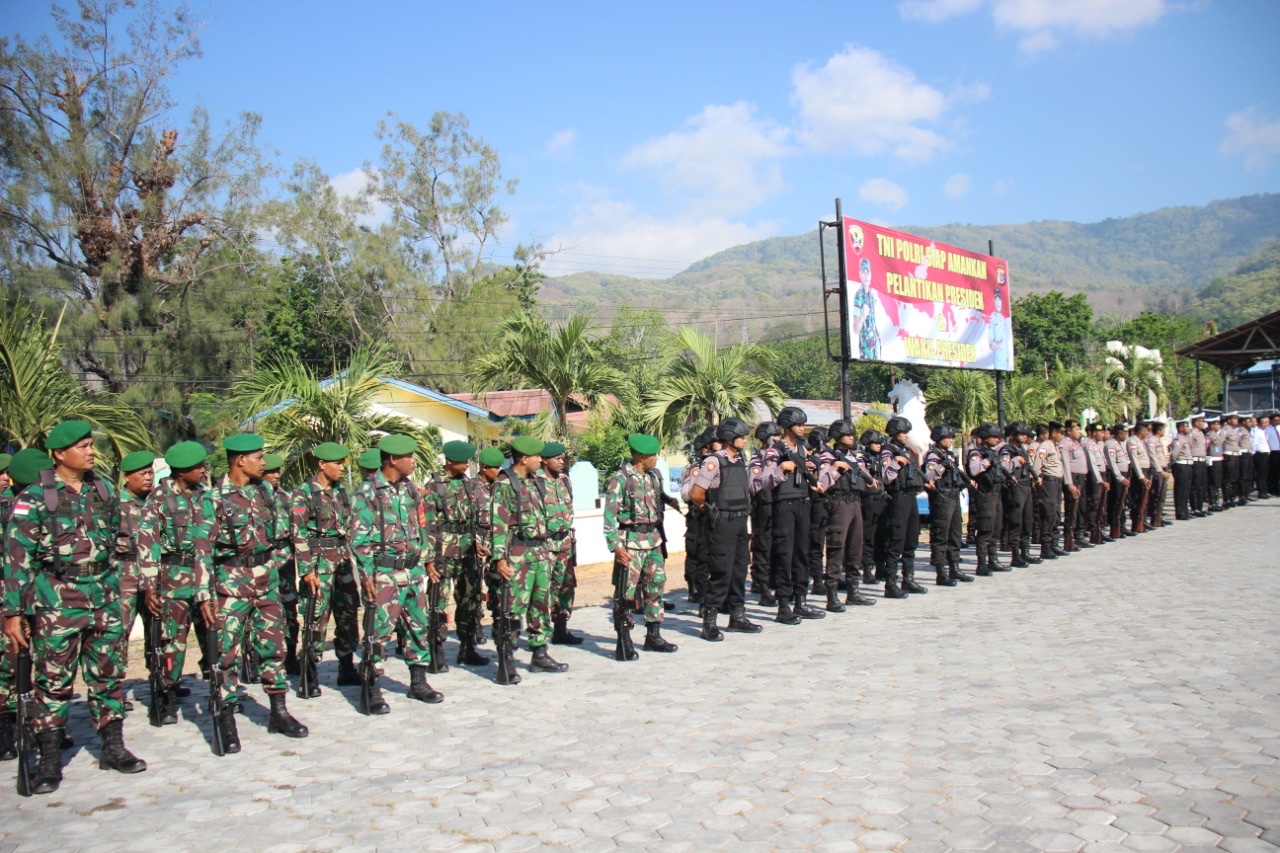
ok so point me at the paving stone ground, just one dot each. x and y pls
(1123, 698)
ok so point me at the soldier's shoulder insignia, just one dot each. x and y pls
(710, 466)
(21, 509)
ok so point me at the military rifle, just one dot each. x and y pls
(155, 667)
(624, 650)
(24, 737)
(250, 665)
(307, 662)
(502, 633)
(216, 679)
(802, 467)
(369, 651)
(437, 628)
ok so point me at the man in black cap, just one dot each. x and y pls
(945, 479)
(903, 479)
(793, 480)
(984, 468)
(1019, 507)
(695, 534)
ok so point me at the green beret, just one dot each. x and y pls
(245, 442)
(330, 451)
(26, 465)
(5, 458)
(66, 434)
(272, 462)
(526, 445)
(397, 445)
(552, 449)
(492, 457)
(458, 451)
(370, 459)
(136, 461)
(185, 454)
(645, 445)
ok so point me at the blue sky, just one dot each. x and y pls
(646, 136)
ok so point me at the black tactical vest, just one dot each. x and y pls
(734, 492)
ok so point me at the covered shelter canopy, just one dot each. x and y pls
(1241, 346)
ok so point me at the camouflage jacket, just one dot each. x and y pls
(316, 513)
(238, 553)
(167, 539)
(74, 572)
(390, 530)
(631, 499)
(517, 514)
(125, 553)
(457, 504)
(559, 513)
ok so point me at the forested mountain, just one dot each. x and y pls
(1151, 260)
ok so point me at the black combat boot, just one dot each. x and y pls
(49, 766)
(819, 585)
(768, 598)
(1031, 559)
(852, 596)
(944, 576)
(169, 710)
(984, 571)
(1047, 551)
(561, 635)
(226, 721)
(314, 679)
(709, 631)
(994, 564)
(909, 578)
(958, 574)
(419, 688)
(653, 641)
(543, 662)
(281, 721)
(785, 616)
(348, 675)
(468, 656)
(868, 575)
(8, 737)
(114, 755)
(833, 601)
(740, 624)
(892, 590)
(804, 611)
(1019, 560)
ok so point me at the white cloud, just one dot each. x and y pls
(936, 11)
(562, 140)
(957, 186)
(724, 159)
(885, 192)
(1249, 133)
(862, 102)
(1040, 22)
(352, 185)
(613, 236)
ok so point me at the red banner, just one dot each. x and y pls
(917, 301)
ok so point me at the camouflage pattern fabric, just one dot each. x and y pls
(316, 513)
(125, 558)
(561, 545)
(518, 526)
(72, 592)
(632, 505)
(8, 702)
(458, 503)
(166, 559)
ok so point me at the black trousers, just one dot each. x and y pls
(1048, 500)
(875, 531)
(844, 543)
(1019, 512)
(985, 510)
(1159, 487)
(1230, 478)
(1199, 485)
(1245, 484)
(1215, 477)
(695, 552)
(1139, 483)
(819, 518)
(946, 533)
(904, 533)
(1073, 513)
(1273, 473)
(1261, 473)
(761, 544)
(1095, 510)
(728, 549)
(791, 548)
(1182, 475)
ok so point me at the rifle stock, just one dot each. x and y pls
(155, 667)
(308, 660)
(368, 664)
(436, 628)
(23, 736)
(502, 632)
(216, 678)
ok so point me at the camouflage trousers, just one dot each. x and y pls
(130, 607)
(460, 580)
(402, 607)
(71, 639)
(289, 602)
(337, 595)
(259, 622)
(530, 584)
(8, 702)
(564, 581)
(646, 579)
(176, 616)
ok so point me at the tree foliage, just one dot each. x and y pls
(1050, 328)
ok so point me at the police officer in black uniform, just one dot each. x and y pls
(903, 480)
(944, 481)
(1019, 508)
(695, 545)
(875, 524)
(985, 469)
(819, 515)
(793, 480)
(762, 517)
(846, 479)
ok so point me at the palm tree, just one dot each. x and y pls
(1027, 398)
(1140, 378)
(1072, 390)
(294, 409)
(37, 392)
(562, 361)
(705, 384)
(962, 397)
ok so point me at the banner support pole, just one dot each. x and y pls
(845, 408)
(991, 250)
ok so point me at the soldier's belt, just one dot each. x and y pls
(77, 570)
(396, 564)
(641, 527)
(725, 514)
(246, 561)
(179, 558)
(326, 541)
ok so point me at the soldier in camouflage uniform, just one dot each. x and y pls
(562, 546)
(319, 520)
(19, 472)
(58, 574)
(633, 508)
(273, 470)
(238, 563)
(458, 500)
(491, 462)
(518, 529)
(167, 562)
(394, 559)
(138, 482)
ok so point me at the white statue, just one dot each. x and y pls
(908, 400)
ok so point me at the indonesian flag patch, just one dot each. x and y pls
(21, 509)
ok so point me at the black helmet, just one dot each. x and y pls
(942, 431)
(872, 436)
(731, 428)
(791, 416)
(988, 430)
(766, 430)
(897, 424)
(705, 438)
(1018, 428)
(840, 428)
(817, 438)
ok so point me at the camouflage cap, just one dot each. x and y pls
(397, 445)
(458, 451)
(26, 465)
(552, 449)
(185, 454)
(136, 461)
(272, 462)
(492, 457)
(526, 445)
(645, 445)
(330, 451)
(371, 459)
(245, 442)
(66, 434)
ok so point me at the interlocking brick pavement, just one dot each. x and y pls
(1122, 698)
